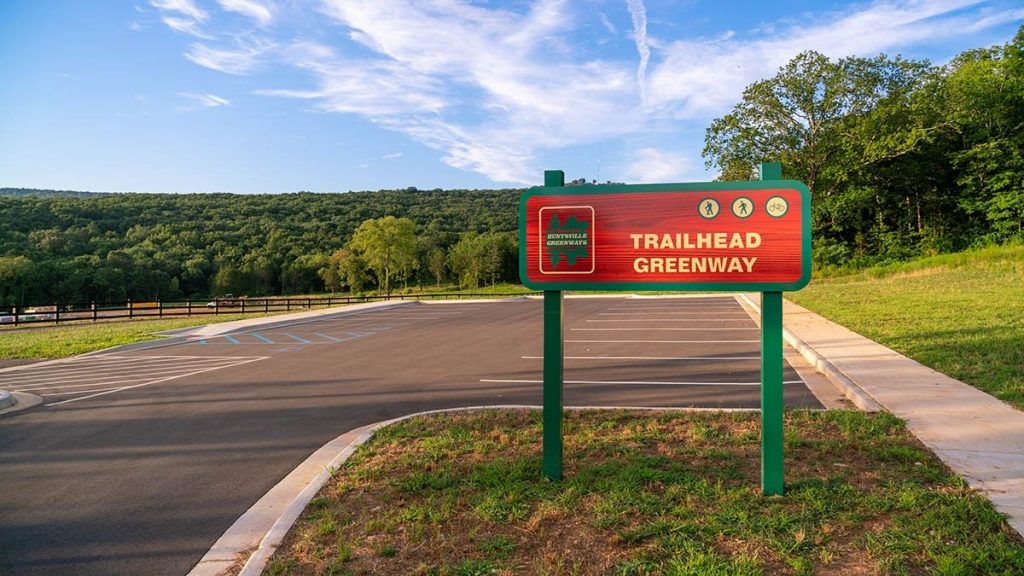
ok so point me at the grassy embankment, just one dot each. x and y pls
(666, 493)
(961, 314)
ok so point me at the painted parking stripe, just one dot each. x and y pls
(262, 337)
(650, 357)
(89, 373)
(157, 381)
(669, 313)
(231, 339)
(650, 329)
(329, 337)
(747, 319)
(637, 383)
(678, 308)
(661, 341)
(297, 338)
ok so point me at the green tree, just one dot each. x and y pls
(388, 245)
(437, 263)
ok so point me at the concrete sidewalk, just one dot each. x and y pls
(977, 436)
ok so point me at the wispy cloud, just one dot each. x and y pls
(638, 13)
(182, 16)
(700, 78)
(494, 88)
(654, 165)
(391, 156)
(244, 57)
(258, 11)
(206, 100)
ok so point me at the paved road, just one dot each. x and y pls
(138, 461)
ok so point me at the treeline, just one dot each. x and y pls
(114, 247)
(903, 158)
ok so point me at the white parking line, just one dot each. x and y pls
(83, 374)
(744, 319)
(677, 308)
(649, 357)
(669, 313)
(82, 392)
(157, 381)
(656, 329)
(662, 341)
(638, 383)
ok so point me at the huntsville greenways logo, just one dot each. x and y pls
(567, 240)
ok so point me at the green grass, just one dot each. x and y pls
(644, 494)
(64, 341)
(961, 314)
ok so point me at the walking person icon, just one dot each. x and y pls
(708, 208)
(742, 207)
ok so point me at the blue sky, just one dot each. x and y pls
(335, 95)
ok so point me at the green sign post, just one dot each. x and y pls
(697, 236)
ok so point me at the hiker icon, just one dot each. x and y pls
(708, 208)
(742, 207)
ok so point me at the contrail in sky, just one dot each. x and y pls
(639, 14)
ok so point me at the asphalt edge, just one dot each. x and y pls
(240, 538)
(823, 365)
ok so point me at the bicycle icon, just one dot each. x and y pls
(776, 207)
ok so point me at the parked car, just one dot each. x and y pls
(225, 301)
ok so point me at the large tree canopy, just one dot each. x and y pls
(901, 157)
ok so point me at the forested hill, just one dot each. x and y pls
(143, 246)
(48, 193)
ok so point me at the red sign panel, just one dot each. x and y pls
(711, 236)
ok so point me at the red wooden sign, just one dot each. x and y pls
(705, 236)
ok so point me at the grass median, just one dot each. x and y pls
(646, 493)
(961, 314)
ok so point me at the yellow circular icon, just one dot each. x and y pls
(709, 208)
(776, 207)
(742, 207)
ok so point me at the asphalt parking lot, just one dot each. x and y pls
(138, 460)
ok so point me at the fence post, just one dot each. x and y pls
(131, 311)
(309, 303)
(160, 308)
(266, 305)
(56, 317)
(216, 306)
(288, 304)
(243, 306)
(188, 307)
(94, 315)
(14, 310)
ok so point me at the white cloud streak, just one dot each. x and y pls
(206, 100)
(182, 16)
(653, 165)
(494, 88)
(258, 11)
(638, 13)
(245, 57)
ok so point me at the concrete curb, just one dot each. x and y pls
(261, 529)
(850, 389)
(17, 401)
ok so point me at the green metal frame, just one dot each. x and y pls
(694, 187)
